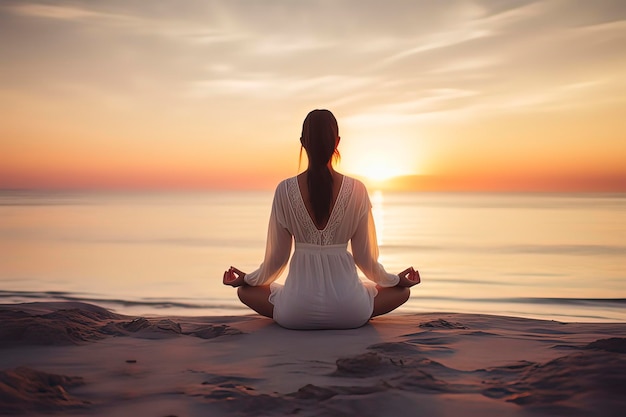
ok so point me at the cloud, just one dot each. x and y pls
(438, 41)
(47, 11)
(363, 56)
(268, 86)
(69, 13)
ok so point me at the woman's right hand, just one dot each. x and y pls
(409, 277)
(234, 277)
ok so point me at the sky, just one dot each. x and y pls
(501, 95)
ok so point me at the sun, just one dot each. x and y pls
(380, 155)
(377, 166)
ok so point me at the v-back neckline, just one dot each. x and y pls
(332, 210)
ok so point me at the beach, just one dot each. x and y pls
(72, 358)
(147, 149)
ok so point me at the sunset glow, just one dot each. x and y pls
(379, 158)
(461, 95)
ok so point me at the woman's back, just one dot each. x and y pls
(303, 186)
(349, 206)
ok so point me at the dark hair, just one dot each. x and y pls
(319, 138)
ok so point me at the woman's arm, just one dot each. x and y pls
(365, 253)
(277, 251)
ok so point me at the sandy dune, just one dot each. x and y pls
(80, 359)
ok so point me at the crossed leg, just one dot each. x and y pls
(389, 298)
(257, 298)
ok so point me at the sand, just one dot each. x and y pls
(80, 359)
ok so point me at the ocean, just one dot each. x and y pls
(549, 256)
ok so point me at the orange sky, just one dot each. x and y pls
(462, 95)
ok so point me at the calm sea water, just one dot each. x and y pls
(551, 256)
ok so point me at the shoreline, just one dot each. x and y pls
(71, 358)
(597, 310)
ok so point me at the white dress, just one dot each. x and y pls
(322, 289)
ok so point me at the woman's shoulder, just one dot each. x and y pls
(357, 185)
(284, 185)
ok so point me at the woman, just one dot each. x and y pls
(321, 210)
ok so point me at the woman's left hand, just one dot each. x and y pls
(234, 277)
(409, 277)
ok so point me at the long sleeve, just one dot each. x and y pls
(277, 249)
(365, 251)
